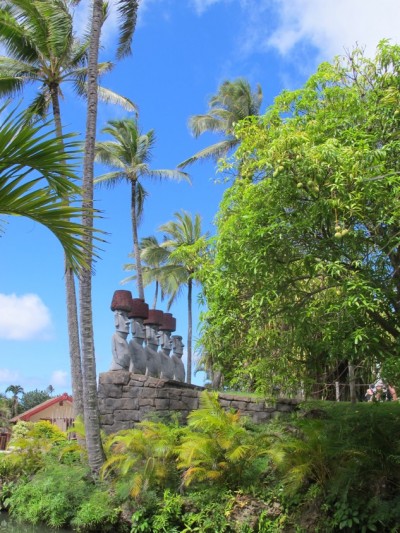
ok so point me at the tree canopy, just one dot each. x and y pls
(307, 256)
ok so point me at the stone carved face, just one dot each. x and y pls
(177, 345)
(121, 321)
(165, 340)
(151, 335)
(137, 329)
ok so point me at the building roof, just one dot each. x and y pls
(42, 406)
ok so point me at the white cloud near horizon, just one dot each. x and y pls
(59, 378)
(24, 317)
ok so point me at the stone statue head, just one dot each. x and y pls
(137, 328)
(165, 341)
(121, 321)
(177, 345)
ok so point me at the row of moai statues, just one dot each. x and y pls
(151, 329)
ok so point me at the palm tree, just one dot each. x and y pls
(128, 12)
(185, 244)
(129, 154)
(15, 391)
(233, 102)
(27, 147)
(153, 257)
(38, 37)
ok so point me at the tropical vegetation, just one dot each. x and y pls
(129, 153)
(304, 282)
(330, 467)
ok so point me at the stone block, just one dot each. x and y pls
(191, 403)
(122, 415)
(225, 403)
(112, 391)
(162, 404)
(115, 377)
(177, 405)
(254, 407)
(106, 419)
(167, 393)
(260, 417)
(136, 383)
(239, 406)
(144, 402)
(133, 392)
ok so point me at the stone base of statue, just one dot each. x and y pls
(126, 399)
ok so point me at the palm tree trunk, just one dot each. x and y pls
(155, 295)
(72, 308)
(189, 337)
(92, 419)
(136, 248)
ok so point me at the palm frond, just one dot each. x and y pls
(127, 11)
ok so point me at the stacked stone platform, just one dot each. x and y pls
(126, 398)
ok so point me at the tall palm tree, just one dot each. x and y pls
(129, 153)
(153, 258)
(15, 390)
(25, 148)
(185, 243)
(128, 12)
(233, 102)
(39, 40)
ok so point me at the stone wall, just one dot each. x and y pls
(126, 398)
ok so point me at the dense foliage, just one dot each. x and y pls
(307, 256)
(330, 467)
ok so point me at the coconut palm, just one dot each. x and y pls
(39, 40)
(185, 244)
(153, 257)
(128, 11)
(15, 390)
(129, 153)
(233, 102)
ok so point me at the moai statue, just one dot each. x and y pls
(164, 333)
(152, 323)
(177, 352)
(139, 311)
(121, 304)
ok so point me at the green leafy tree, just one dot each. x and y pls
(33, 398)
(234, 101)
(306, 271)
(129, 153)
(43, 50)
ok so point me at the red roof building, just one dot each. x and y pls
(57, 410)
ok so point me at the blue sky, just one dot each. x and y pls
(182, 51)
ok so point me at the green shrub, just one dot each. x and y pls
(216, 447)
(52, 495)
(98, 514)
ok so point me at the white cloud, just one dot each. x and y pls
(331, 26)
(59, 378)
(202, 5)
(9, 376)
(24, 317)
